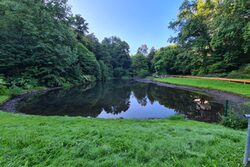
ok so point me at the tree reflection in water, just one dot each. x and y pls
(115, 99)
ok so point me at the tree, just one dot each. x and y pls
(58, 8)
(229, 28)
(38, 48)
(214, 33)
(116, 52)
(43, 43)
(172, 60)
(140, 65)
(150, 58)
(143, 49)
(79, 24)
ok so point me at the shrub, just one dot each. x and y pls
(235, 121)
(3, 87)
(14, 90)
(243, 72)
(24, 82)
(143, 73)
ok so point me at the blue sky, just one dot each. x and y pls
(135, 21)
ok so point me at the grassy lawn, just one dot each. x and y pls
(237, 88)
(64, 141)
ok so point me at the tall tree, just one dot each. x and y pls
(117, 53)
(143, 49)
(215, 33)
(80, 25)
(150, 58)
(140, 65)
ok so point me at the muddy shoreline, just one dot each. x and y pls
(220, 95)
(10, 105)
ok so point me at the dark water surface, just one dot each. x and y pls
(124, 99)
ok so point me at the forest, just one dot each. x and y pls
(44, 44)
(213, 39)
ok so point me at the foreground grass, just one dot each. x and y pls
(232, 87)
(63, 141)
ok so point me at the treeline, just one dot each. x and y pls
(213, 38)
(43, 43)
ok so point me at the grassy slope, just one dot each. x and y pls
(63, 141)
(237, 88)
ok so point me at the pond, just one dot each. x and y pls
(124, 99)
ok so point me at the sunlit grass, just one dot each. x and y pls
(63, 141)
(237, 88)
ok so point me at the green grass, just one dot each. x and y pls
(3, 98)
(64, 141)
(232, 87)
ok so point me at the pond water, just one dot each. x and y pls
(123, 99)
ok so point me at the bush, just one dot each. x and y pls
(3, 88)
(243, 72)
(14, 90)
(24, 82)
(235, 121)
(143, 73)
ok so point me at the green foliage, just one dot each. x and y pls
(3, 98)
(120, 72)
(3, 87)
(42, 43)
(150, 58)
(140, 65)
(88, 63)
(79, 24)
(65, 141)
(235, 121)
(116, 53)
(243, 72)
(142, 62)
(172, 60)
(213, 35)
(14, 90)
(105, 71)
(24, 82)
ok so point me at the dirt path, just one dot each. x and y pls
(220, 95)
